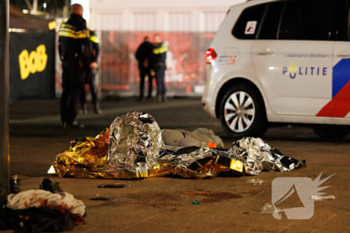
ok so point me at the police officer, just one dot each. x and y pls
(91, 76)
(158, 66)
(75, 56)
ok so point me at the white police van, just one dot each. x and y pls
(281, 62)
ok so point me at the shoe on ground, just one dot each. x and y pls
(50, 186)
(83, 109)
(73, 125)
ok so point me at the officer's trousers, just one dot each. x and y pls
(91, 80)
(72, 85)
(160, 71)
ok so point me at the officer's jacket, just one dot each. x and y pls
(74, 42)
(158, 55)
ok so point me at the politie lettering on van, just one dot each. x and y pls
(283, 61)
(293, 70)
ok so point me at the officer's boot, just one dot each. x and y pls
(83, 109)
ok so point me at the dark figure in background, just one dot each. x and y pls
(158, 66)
(91, 77)
(75, 56)
(143, 54)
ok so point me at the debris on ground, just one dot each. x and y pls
(133, 148)
(15, 183)
(256, 181)
(196, 202)
(47, 209)
(115, 185)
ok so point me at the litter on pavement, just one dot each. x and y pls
(48, 209)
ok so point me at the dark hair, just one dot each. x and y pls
(145, 38)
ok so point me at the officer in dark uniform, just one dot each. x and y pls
(158, 66)
(75, 56)
(91, 76)
(143, 54)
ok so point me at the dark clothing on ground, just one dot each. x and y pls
(75, 56)
(143, 54)
(90, 77)
(157, 63)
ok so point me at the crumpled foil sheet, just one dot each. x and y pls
(83, 155)
(258, 155)
(132, 148)
(134, 137)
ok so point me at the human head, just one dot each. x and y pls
(157, 38)
(76, 9)
(146, 39)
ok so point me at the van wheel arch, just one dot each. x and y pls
(228, 85)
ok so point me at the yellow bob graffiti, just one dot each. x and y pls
(33, 62)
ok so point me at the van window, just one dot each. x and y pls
(343, 21)
(248, 22)
(307, 20)
(271, 21)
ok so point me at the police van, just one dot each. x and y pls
(281, 62)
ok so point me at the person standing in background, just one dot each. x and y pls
(142, 55)
(158, 66)
(91, 77)
(74, 51)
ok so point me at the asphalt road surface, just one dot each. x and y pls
(157, 205)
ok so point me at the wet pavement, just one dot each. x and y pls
(159, 204)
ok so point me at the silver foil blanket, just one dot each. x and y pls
(258, 155)
(134, 137)
(133, 148)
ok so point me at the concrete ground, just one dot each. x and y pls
(157, 204)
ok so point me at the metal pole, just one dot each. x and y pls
(4, 102)
(35, 5)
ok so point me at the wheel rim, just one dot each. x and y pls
(239, 111)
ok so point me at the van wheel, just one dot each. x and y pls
(331, 132)
(242, 112)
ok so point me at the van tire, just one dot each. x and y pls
(331, 131)
(242, 112)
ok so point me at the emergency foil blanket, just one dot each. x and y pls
(133, 148)
(134, 137)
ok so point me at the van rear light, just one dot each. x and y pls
(211, 55)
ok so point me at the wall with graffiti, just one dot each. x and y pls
(185, 62)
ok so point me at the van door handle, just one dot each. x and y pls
(265, 52)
